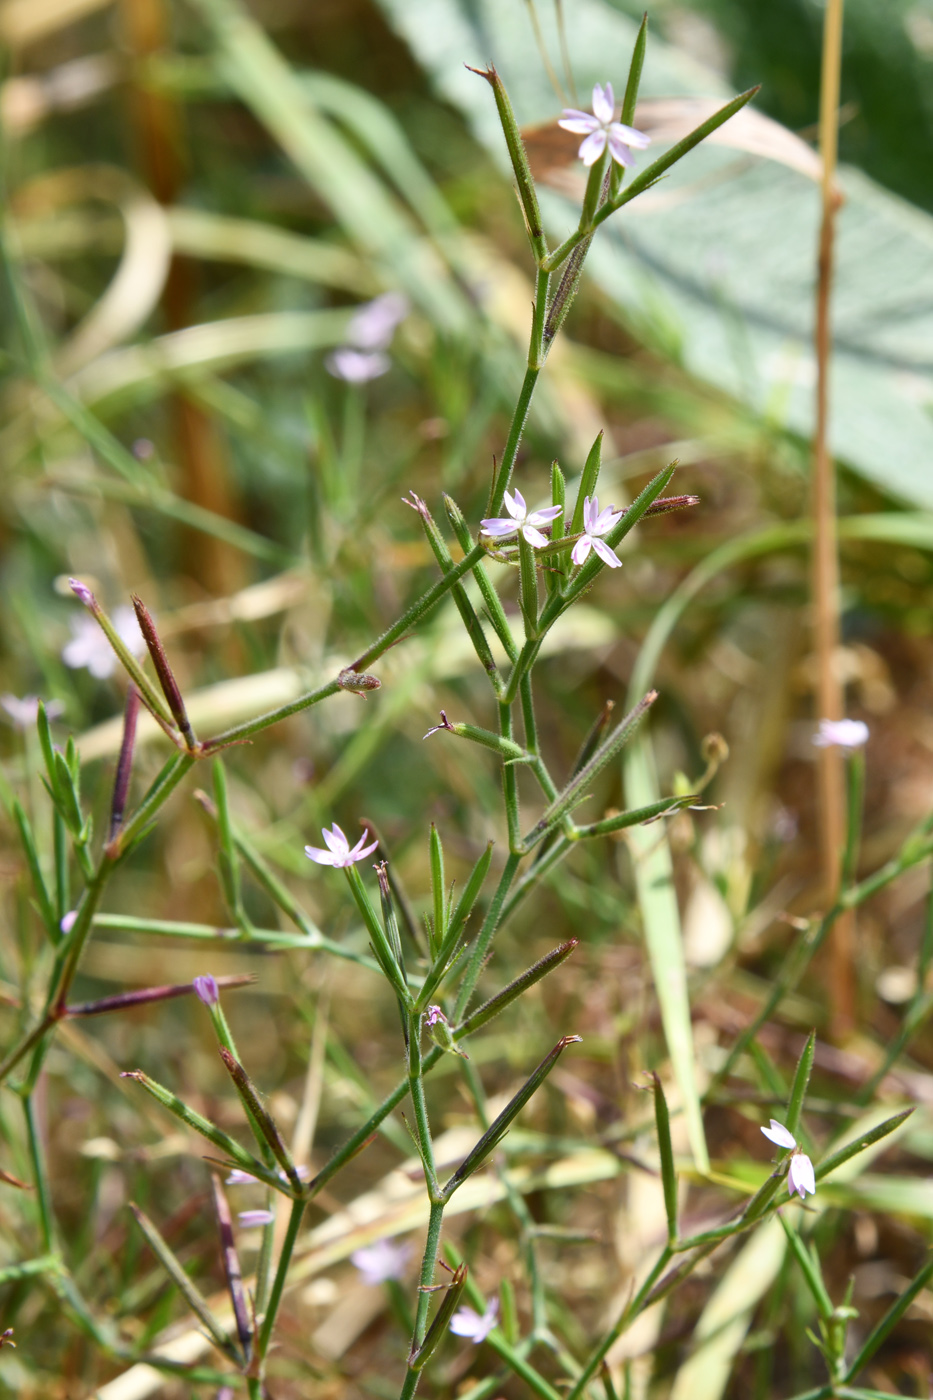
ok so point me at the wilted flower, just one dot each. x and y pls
(501, 526)
(599, 128)
(339, 852)
(248, 1218)
(206, 988)
(90, 649)
(466, 1322)
(800, 1177)
(24, 711)
(379, 1262)
(841, 733)
(595, 524)
(433, 1015)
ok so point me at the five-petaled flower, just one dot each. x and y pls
(466, 1322)
(800, 1176)
(379, 1262)
(521, 521)
(339, 852)
(841, 734)
(369, 335)
(595, 524)
(599, 128)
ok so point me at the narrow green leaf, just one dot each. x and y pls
(836, 1159)
(260, 1115)
(515, 989)
(588, 482)
(516, 147)
(497, 1130)
(440, 1323)
(438, 891)
(192, 1295)
(28, 842)
(890, 1320)
(799, 1086)
(662, 1120)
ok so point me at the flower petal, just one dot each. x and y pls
(534, 537)
(590, 513)
(630, 135)
(801, 1175)
(581, 550)
(359, 851)
(592, 148)
(545, 515)
(603, 103)
(318, 856)
(605, 521)
(515, 505)
(607, 555)
(778, 1134)
(499, 526)
(336, 841)
(619, 151)
(581, 123)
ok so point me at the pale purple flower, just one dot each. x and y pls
(595, 524)
(466, 1322)
(800, 1177)
(501, 526)
(24, 712)
(379, 1262)
(599, 128)
(339, 852)
(206, 988)
(356, 366)
(67, 921)
(241, 1178)
(249, 1218)
(841, 733)
(369, 335)
(89, 647)
(373, 325)
(435, 1014)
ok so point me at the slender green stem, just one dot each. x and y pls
(626, 1318)
(281, 1272)
(519, 418)
(428, 1267)
(39, 1174)
(416, 1089)
(486, 934)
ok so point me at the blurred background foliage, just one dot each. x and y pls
(199, 197)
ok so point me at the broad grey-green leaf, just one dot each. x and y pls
(715, 267)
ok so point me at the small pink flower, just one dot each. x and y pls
(599, 128)
(357, 366)
(466, 1322)
(435, 1014)
(24, 712)
(841, 734)
(521, 521)
(89, 647)
(249, 1218)
(379, 1262)
(595, 524)
(339, 852)
(67, 922)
